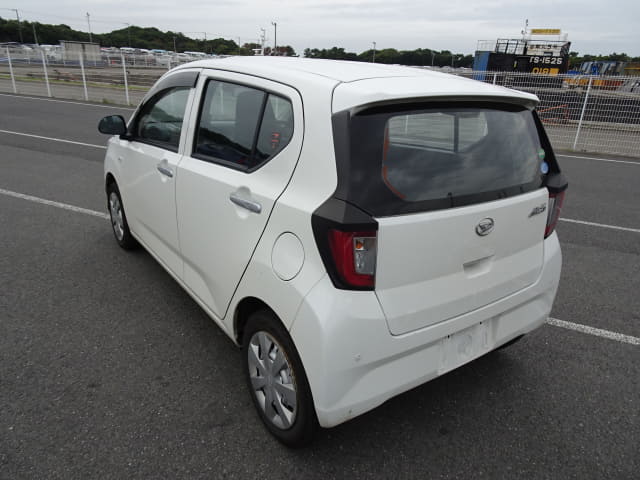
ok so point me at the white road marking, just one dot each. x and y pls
(610, 160)
(117, 107)
(598, 332)
(54, 139)
(601, 225)
(51, 203)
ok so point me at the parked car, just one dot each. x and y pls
(357, 229)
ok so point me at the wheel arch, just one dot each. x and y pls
(243, 311)
(109, 179)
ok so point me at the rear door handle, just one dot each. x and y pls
(163, 169)
(250, 205)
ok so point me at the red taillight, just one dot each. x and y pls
(555, 205)
(354, 255)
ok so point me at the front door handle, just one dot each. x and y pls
(250, 205)
(163, 169)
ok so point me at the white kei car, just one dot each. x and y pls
(358, 229)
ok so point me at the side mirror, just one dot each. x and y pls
(113, 125)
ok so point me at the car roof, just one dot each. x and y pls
(363, 82)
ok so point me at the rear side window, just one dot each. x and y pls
(276, 128)
(441, 156)
(240, 126)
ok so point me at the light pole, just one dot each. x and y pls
(275, 38)
(374, 53)
(19, 24)
(35, 37)
(128, 32)
(89, 23)
(432, 56)
(174, 44)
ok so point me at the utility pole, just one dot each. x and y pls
(374, 53)
(174, 44)
(275, 38)
(263, 39)
(89, 23)
(35, 37)
(524, 30)
(19, 24)
(128, 31)
(239, 47)
(432, 56)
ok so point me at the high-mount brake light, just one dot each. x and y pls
(354, 255)
(555, 205)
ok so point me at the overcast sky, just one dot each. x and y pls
(593, 26)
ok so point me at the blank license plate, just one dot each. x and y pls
(463, 346)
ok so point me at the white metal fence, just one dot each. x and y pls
(117, 79)
(580, 113)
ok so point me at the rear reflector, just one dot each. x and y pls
(555, 205)
(354, 256)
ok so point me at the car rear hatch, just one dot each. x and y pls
(438, 265)
(457, 193)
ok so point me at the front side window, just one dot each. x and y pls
(240, 126)
(160, 120)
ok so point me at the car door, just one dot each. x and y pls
(244, 145)
(151, 155)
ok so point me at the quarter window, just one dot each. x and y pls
(241, 126)
(160, 121)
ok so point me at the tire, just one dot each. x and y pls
(282, 396)
(118, 218)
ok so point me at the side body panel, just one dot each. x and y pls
(149, 195)
(217, 236)
(313, 181)
(149, 198)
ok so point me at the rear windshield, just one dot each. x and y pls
(442, 156)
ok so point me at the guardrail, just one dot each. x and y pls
(581, 113)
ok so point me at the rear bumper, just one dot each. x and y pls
(354, 364)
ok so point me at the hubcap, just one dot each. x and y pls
(272, 380)
(115, 210)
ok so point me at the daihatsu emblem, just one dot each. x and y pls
(484, 227)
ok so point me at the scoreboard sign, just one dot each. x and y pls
(540, 60)
(545, 65)
(545, 31)
(542, 64)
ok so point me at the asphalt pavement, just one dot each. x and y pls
(108, 369)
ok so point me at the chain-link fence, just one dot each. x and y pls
(117, 78)
(581, 113)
